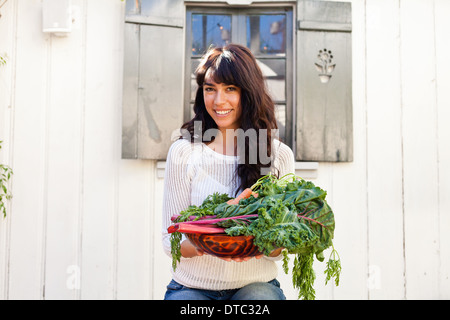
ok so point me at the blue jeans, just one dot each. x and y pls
(255, 291)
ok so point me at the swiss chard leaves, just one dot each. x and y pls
(287, 213)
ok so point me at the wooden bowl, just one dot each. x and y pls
(222, 245)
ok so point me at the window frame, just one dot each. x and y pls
(238, 22)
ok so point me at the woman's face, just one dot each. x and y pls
(222, 102)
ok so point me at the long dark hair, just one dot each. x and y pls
(235, 65)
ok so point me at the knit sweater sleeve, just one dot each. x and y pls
(177, 186)
(284, 158)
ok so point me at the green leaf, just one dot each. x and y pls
(303, 276)
(333, 269)
(5, 176)
(285, 261)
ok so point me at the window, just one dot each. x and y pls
(313, 96)
(265, 31)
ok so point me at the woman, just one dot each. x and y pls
(224, 149)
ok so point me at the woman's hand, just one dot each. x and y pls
(276, 252)
(188, 250)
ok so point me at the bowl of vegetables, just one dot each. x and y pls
(222, 245)
(207, 231)
(286, 212)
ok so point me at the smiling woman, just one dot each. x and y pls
(231, 97)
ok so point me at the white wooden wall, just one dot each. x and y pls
(84, 224)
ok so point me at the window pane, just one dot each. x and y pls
(132, 7)
(280, 113)
(266, 34)
(274, 70)
(209, 29)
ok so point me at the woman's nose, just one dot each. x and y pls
(219, 98)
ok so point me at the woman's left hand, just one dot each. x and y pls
(276, 252)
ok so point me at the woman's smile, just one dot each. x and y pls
(223, 112)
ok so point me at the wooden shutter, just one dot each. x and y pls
(153, 86)
(324, 88)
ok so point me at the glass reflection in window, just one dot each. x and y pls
(266, 34)
(209, 30)
(274, 71)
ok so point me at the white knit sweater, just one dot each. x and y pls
(194, 171)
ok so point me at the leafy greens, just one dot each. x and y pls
(288, 213)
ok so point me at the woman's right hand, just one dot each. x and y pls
(188, 250)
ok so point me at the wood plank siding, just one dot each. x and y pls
(84, 223)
